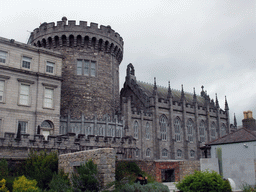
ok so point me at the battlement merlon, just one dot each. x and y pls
(103, 32)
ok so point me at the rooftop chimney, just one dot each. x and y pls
(248, 121)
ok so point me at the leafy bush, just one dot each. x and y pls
(60, 183)
(41, 167)
(3, 188)
(248, 188)
(86, 177)
(203, 181)
(3, 169)
(151, 187)
(124, 169)
(21, 184)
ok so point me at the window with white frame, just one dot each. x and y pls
(179, 153)
(50, 67)
(148, 152)
(135, 128)
(202, 131)
(3, 56)
(192, 153)
(147, 131)
(213, 131)
(24, 94)
(2, 90)
(223, 130)
(26, 62)
(48, 97)
(177, 129)
(164, 153)
(86, 67)
(190, 127)
(23, 126)
(163, 128)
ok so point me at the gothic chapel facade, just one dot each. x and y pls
(170, 124)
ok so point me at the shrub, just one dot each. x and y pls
(3, 169)
(60, 183)
(3, 188)
(86, 177)
(23, 184)
(248, 188)
(203, 181)
(151, 187)
(41, 167)
(126, 169)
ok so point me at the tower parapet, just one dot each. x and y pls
(91, 66)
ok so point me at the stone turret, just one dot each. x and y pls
(91, 66)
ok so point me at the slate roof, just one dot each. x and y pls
(163, 91)
(241, 135)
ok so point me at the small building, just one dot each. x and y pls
(30, 87)
(234, 155)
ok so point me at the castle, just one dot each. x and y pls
(66, 82)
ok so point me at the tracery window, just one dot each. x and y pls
(190, 126)
(136, 152)
(213, 131)
(192, 153)
(164, 153)
(177, 129)
(163, 128)
(147, 131)
(223, 130)
(202, 131)
(148, 152)
(135, 128)
(179, 153)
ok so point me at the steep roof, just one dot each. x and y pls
(241, 135)
(163, 92)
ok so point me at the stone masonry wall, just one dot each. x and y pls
(104, 158)
(188, 167)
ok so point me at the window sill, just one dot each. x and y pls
(48, 108)
(21, 105)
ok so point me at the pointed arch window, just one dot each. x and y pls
(148, 152)
(136, 152)
(135, 129)
(164, 153)
(147, 131)
(213, 131)
(177, 129)
(202, 131)
(190, 127)
(192, 153)
(163, 128)
(223, 130)
(179, 153)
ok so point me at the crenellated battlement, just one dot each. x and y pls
(70, 142)
(68, 34)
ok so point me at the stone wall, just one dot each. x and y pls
(188, 167)
(104, 158)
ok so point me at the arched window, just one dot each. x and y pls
(202, 131)
(147, 131)
(190, 127)
(164, 153)
(163, 128)
(136, 152)
(213, 131)
(223, 130)
(179, 153)
(192, 153)
(177, 129)
(148, 152)
(46, 128)
(135, 129)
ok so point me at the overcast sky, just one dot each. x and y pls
(189, 42)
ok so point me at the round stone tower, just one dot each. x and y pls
(90, 68)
